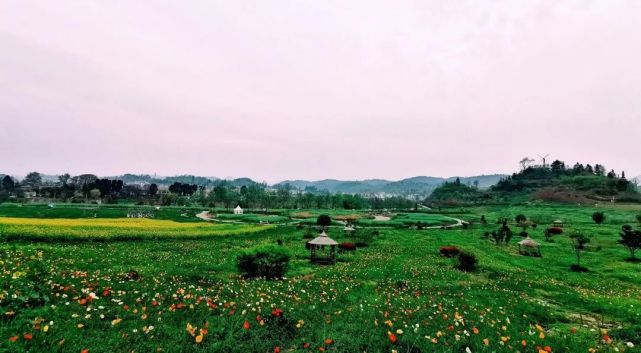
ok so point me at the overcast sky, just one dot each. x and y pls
(317, 89)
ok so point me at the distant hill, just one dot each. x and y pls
(420, 185)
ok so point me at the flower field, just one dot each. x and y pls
(109, 229)
(396, 295)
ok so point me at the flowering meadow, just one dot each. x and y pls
(398, 294)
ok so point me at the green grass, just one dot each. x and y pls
(398, 282)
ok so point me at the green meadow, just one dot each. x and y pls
(74, 279)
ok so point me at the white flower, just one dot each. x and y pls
(468, 350)
(629, 344)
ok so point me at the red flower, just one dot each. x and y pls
(276, 349)
(277, 312)
(306, 345)
(246, 325)
(392, 337)
(13, 338)
(27, 336)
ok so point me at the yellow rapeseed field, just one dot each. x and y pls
(16, 228)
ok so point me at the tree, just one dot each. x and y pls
(32, 181)
(153, 189)
(631, 239)
(8, 184)
(64, 178)
(639, 218)
(598, 217)
(578, 243)
(588, 169)
(599, 169)
(324, 221)
(526, 162)
(520, 218)
(557, 167)
(503, 234)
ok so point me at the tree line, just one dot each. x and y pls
(91, 188)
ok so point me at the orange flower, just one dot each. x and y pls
(523, 343)
(199, 338)
(246, 325)
(13, 338)
(329, 341)
(27, 336)
(475, 330)
(486, 341)
(84, 351)
(547, 349)
(392, 337)
(573, 330)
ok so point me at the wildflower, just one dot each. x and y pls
(199, 338)
(329, 341)
(27, 336)
(277, 313)
(391, 336)
(573, 330)
(486, 341)
(84, 351)
(475, 330)
(629, 344)
(246, 325)
(13, 338)
(277, 349)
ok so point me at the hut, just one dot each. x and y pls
(529, 247)
(322, 249)
(558, 223)
(349, 230)
(238, 210)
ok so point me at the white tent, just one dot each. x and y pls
(238, 210)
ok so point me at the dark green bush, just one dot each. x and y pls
(467, 262)
(269, 261)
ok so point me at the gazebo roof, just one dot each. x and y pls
(528, 242)
(238, 208)
(323, 239)
(348, 228)
(558, 221)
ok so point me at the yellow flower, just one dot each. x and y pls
(115, 322)
(541, 335)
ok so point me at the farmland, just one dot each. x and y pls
(72, 282)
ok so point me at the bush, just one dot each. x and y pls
(324, 220)
(347, 246)
(467, 262)
(555, 230)
(523, 234)
(598, 217)
(449, 251)
(269, 261)
(626, 227)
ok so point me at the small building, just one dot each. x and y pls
(349, 230)
(322, 249)
(529, 247)
(238, 210)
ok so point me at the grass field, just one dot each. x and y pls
(397, 294)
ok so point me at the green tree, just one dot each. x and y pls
(64, 178)
(153, 189)
(631, 240)
(33, 181)
(579, 240)
(324, 221)
(9, 185)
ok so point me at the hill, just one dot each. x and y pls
(417, 186)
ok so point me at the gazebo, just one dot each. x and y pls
(529, 247)
(558, 223)
(349, 230)
(323, 249)
(238, 210)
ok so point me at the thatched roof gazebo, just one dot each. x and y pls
(349, 230)
(529, 247)
(323, 249)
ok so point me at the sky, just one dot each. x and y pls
(305, 89)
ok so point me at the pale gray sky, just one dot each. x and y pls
(317, 89)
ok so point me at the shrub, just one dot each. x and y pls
(467, 262)
(555, 230)
(598, 217)
(269, 261)
(520, 218)
(449, 251)
(523, 234)
(347, 246)
(626, 227)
